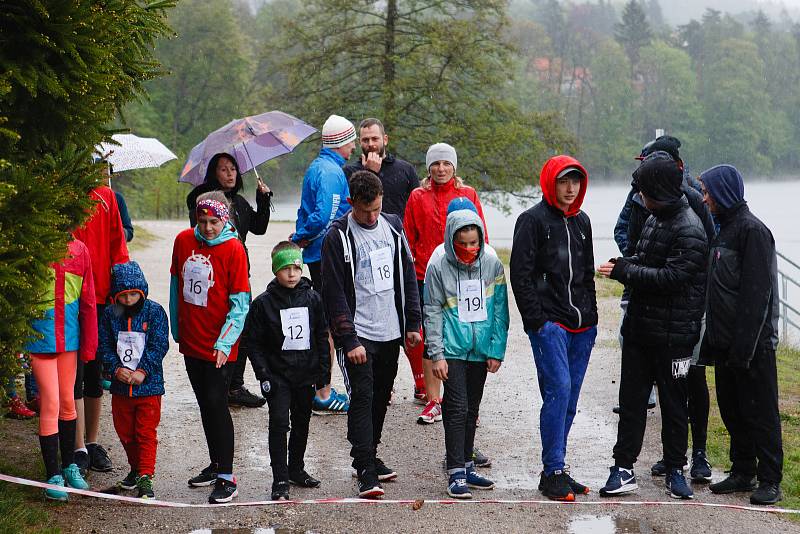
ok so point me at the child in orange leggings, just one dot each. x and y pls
(69, 330)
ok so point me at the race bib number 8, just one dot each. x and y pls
(471, 301)
(382, 272)
(196, 280)
(295, 327)
(130, 347)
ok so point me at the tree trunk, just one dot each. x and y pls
(389, 104)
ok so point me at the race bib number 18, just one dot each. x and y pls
(382, 272)
(471, 301)
(296, 331)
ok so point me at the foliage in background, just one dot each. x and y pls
(66, 69)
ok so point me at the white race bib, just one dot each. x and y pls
(471, 301)
(382, 272)
(130, 347)
(296, 331)
(197, 274)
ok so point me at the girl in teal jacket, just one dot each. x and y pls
(466, 329)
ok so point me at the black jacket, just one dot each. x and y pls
(552, 268)
(262, 337)
(339, 293)
(243, 216)
(742, 300)
(667, 279)
(399, 179)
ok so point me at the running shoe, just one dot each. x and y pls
(224, 491)
(337, 403)
(556, 486)
(577, 487)
(206, 477)
(476, 481)
(767, 493)
(736, 482)
(280, 491)
(73, 478)
(676, 485)
(420, 397)
(34, 404)
(384, 473)
(659, 469)
(457, 486)
(18, 410)
(81, 459)
(431, 414)
(700, 471)
(144, 486)
(54, 494)
(98, 458)
(303, 479)
(620, 481)
(243, 397)
(480, 459)
(129, 482)
(368, 485)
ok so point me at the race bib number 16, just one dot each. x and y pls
(196, 281)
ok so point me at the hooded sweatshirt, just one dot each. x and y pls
(139, 331)
(448, 300)
(209, 293)
(725, 185)
(552, 258)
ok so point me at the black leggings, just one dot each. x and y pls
(210, 387)
(289, 408)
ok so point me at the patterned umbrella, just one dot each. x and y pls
(134, 152)
(251, 140)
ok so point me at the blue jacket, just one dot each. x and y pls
(324, 199)
(147, 317)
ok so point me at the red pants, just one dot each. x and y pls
(136, 420)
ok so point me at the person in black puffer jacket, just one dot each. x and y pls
(223, 174)
(661, 326)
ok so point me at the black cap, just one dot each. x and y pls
(665, 143)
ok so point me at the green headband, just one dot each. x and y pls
(285, 258)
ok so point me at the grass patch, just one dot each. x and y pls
(142, 238)
(22, 508)
(789, 400)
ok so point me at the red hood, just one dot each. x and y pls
(547, 181)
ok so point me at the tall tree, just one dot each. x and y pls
(633, 32)
(431, 70)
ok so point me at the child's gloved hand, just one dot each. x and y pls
(265, 387)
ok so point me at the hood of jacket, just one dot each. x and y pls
(547, 181)
(725, 185)
(328, 153)
(126, 277)
(228, 232)
(455, 222)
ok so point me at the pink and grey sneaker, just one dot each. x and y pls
(431, 414)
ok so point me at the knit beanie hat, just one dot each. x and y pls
(461, 203)
(337, 132)
(725, 185)
(441, 152)
(286, 257)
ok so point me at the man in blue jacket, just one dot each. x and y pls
(324, 199)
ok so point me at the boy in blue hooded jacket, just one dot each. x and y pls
(466, 323)
(133, 340)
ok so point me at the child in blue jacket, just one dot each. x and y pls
(134, 338)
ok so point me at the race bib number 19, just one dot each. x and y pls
(296, 331)
(130, 347)
(382, 272)
(471, 301)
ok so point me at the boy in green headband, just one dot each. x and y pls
(286, 337)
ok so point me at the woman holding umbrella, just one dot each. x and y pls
(223, 175)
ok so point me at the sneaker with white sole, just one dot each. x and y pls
(336, 404)
(476, 481)
(457, 486)
(368, 485)
(384, 473)
(431, 414)
(676, 485)
(129, 482)
(54, 494)
(420, 397)
(619, 482)
(206, 477)
(72, 477)
(224, 491)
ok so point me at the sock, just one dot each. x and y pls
(49, 446)
(90, 443)
(469, 465)
(227, 476)
(82, 449)
(66, 440)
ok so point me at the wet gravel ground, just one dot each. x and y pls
(508, 434)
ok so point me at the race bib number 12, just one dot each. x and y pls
(295, 327)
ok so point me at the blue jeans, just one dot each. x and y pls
(561, 359)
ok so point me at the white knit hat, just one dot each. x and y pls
(441, 152)
(337, 131)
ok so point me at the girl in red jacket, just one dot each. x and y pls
(209, 300)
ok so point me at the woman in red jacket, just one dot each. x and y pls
(424, 223)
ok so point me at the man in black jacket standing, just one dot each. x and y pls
(662, 324)
(742, 336)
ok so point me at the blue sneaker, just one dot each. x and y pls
(337, 403)
(106, 384)
(457, 486)
(676, 485)
(73, 478)
(54, 494)
(474, 480)
(620, 481)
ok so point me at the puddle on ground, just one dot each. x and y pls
(592, 524)
(268, 530)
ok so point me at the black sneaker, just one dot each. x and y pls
(280, 491)
(659, 469)
(384, 473)
(206, 477)
(242, 397)
(144, 485)
(700, 471)
(129, 482)
(577, 487)
(556, 486)
(301, 478)
(480, 459)
(98, 458)
(368, 485)
(733, 484)
(81, 459)
(224, 491)
(767, 493)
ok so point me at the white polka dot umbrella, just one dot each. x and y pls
(134, 152)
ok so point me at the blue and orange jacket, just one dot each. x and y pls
(146, 316)
(69, 321)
